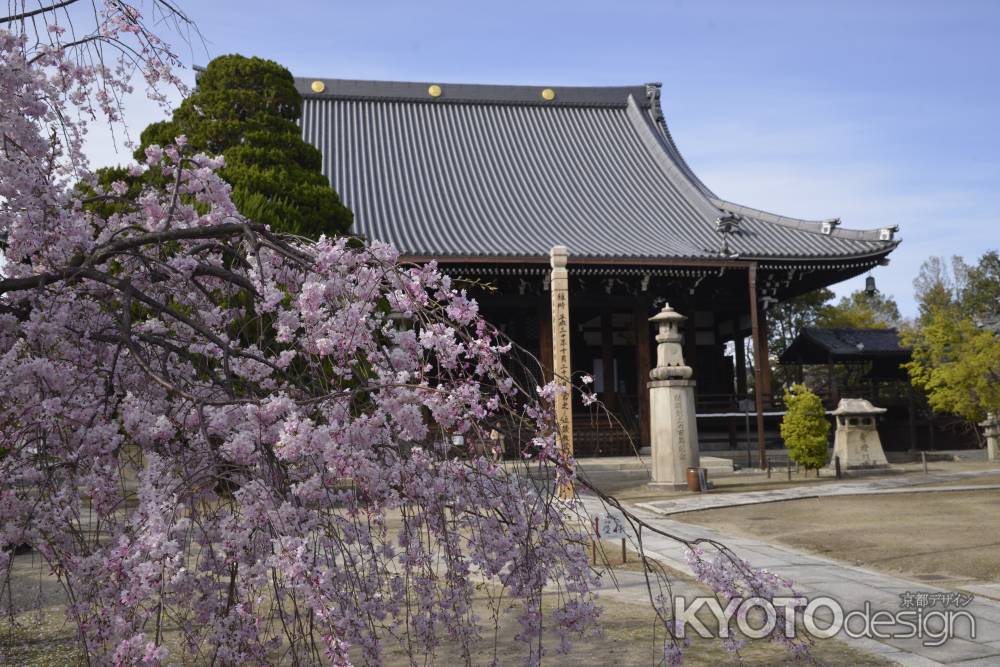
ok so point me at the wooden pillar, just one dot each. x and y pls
(758, 362)
(562, 371)
(643, 366)
(610, 397)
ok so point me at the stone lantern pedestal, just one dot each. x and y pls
(672, 424)
(856, 441)
(991, 429)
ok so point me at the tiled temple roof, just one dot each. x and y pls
(482, 171)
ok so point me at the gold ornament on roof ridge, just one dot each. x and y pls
(318, 86)
(548, 94)
(434, 90)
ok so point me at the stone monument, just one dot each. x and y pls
(991, 429)
(856, 441)
(672, 426)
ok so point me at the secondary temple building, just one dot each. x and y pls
(486, 180)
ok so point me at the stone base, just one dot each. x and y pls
(673, 431)
(859, 448)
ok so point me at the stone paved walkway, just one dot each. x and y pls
(851, 586)
(901, 484)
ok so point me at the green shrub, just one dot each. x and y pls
(804, 427)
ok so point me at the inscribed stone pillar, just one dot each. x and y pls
(560, 345)
(673, 428)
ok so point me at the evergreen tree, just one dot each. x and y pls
(804, 427)
(246, 110)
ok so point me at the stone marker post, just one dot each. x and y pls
(673, 428)
(991, 429)
(561, 370)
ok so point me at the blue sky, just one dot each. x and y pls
(879, 113)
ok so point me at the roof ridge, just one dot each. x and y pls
(659, 120)
(668, 160)
(459, 93)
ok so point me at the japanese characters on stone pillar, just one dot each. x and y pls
(560, 345)
(673, 426)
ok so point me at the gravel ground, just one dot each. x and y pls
(41, 636)
(954, 535)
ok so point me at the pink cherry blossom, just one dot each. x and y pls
(276, 449)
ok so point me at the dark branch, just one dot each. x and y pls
(36, 12)
(108, 252)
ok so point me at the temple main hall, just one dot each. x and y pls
(487, 179)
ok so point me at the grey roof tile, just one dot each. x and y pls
(496, 171)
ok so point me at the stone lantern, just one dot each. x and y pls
(669, 353)
(856, 442)
(672, 424)
(991, 429)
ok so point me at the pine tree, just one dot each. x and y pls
(246, 110)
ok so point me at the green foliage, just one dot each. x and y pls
(957, 364)
(956, 350)
(246, 109)
(804, 427)
(105, 176)
(861, 310)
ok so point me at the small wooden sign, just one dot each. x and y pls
(609, 527)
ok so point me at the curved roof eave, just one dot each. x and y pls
(827, 227)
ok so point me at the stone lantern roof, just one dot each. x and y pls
(857, 406)
(667, 314)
